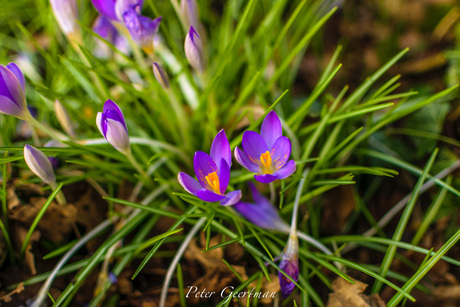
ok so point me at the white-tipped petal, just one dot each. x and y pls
(39, 164)
(66, 14)
(99, 122)
(117, 135)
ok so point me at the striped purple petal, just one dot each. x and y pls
(271, 129)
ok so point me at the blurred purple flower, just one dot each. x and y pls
(290, 265)
(141, 28)
(261, 213)
(213, 173)
(189, 11)
(105, 29)
(12, 91)
(194, 50)
(112, 125)
(267, 154)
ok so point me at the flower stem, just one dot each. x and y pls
(137, 166)
(48, 130)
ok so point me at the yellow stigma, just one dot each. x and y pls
(266, 161)
(213, 181)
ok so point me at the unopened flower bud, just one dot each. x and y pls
(194, 50)
(111, 123)
(12, 92)
(161, 75)
(39, 165)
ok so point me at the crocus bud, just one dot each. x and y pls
(290, 265)
(189, 11)
(141, 28)
(64, 118)
(261, 213)
(39, 165)
(66, 14)
(161, 75)
(111, 123)
(12, 89)
(194, 50)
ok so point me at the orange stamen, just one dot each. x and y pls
(213, 181)
(266, 161)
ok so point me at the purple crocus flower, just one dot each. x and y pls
(290, 265)
(194, 50)
(261, 213)
(112, 125)
(213, 173)
(141, 28)
(12, 91)
(267, 154)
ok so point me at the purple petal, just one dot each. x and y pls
(231, 198)
(189, 10)
(113, 111)
(287, 170)
(209, 196)
(243, 159)
(116, 134)
(11, 87)
(141, 28)
(253, 146)
(290, 267)
(7, 106)
(104, 28)
(271, 129)
(266, 178)
(203, 165)
(224, 175)
(257, 197)
(281, 151)
(220, 148)
(122, 6)
(106, 8)
(188, 183)
(262, 216)
(18, 73)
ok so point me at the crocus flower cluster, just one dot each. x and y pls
(266, 155)
(141, 28)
